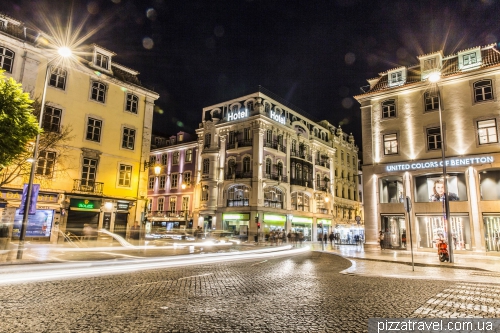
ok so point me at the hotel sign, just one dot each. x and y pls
(280, 119)
(452, 162)
(235, 115)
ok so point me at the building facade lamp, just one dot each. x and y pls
(183, 186)
(434, 77)
(64, 52)
(157, 170)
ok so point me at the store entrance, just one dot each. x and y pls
(394, 229)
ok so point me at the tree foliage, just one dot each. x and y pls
(18, 125)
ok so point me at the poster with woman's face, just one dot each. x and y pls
(436, 188)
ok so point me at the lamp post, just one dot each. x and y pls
(434, 78)
(63, 52)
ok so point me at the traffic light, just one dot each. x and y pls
(258, 225)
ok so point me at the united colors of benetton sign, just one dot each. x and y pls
(463, 161)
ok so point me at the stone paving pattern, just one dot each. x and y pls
(304, 293)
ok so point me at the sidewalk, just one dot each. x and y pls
(427, 259)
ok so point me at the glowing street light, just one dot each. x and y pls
(434, 78)
(64, 52)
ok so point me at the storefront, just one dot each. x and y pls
(323, 226)
(237, 223)
(303, 225)
(492, 231)
(433, 227)
(350, 234)
(273, 222)
(85, 212)
(394, 229)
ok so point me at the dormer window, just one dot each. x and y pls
(101, 60)
(469, 59)
(429, 64)
(397, 77)
(3, 24)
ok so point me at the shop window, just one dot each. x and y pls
(489, 185)
(432, 228)
(273, 197)
(492, 232)
(238, 195)
(391, 189)
(430, 188)
(394, 229)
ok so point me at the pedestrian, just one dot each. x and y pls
(284, 236)
(403, 239)
(87, 231)
(325, 237)
(289, 237)
(301, 238)
(332, 236)
(381, 239)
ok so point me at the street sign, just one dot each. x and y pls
(407, 204)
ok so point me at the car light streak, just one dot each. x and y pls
(65, 271)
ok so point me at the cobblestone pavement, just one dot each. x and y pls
(304, 293)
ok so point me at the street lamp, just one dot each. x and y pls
(434, 78)
(64, 52)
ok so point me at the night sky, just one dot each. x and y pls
(315, 54)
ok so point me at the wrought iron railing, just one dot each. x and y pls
(238, 175)
(89, 186)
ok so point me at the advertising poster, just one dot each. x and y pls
(39, 225)
(436, 189)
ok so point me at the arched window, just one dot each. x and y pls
(208, 139)
(273, 197)
(268, 166)
(300, 201)
(306, 173)
(279, 169)
(238, 196)
(298, 171)
(231, 167)
(246, 164)
(206, 166)
(267, 107)
(235, 108)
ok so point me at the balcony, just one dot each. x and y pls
(238, 175)
(87, 186)
(275, 176)
(237, 202)
(238, 144)
(273, 204)
(301, 154)
(275, 145)
(322, 186)
(322, 210)
(301, 182)
(324, 164)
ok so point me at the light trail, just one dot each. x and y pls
(46, 272)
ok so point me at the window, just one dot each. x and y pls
(128, 139)
(431, 101)
(300, 201)
(101, 60)
(163, 181)
(45, 164)
(429, 64)
(132, 103)
(185, 205)
(487, 131)
(151, 183)
(98, 92)
(186, 179)
(246, 134)
(390, 144)
(89, 170)
(238, 195)
(150, 204)
(160, 205)
(250, 106)
(246, 164)
(152, 159)
(483, 90)
(354, 162)
(318, 181)
(6, 59)
(489, 185)
(94, 127)
(273, 197)
(348, 159)
(204, 193)
(174, 182)
(280, 139)
(268, 166)
(397, 77)
(189, 155)
(125, 175)
(206, 166)
(208, 139)
(433, 138)
(173, 203)
(389, 109)
(269, 135)
(175, 158)
(294, 145)
(51, 119)
(232, 137)
(58, 78)
(267, 107)
(469, 59)
(298, 171)
(279, 169)
(164, 159)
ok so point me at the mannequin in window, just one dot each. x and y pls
(438, 192)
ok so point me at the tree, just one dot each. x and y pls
(50, 141)
(18, 124)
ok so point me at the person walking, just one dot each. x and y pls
(381, 239)
(332, 236)
(325, 237)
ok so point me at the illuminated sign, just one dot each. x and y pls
(280, 119)
(463, 161)
(122, 205)
(236, 216)
(85, 203)
(302, 219)
(235, 115)
(323, 221)
(274, 218)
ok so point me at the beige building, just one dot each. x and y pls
(96, 175)
(262, 161)
(402, 151)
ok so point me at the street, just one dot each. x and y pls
(300, 293)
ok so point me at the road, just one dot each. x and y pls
(301, 293)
